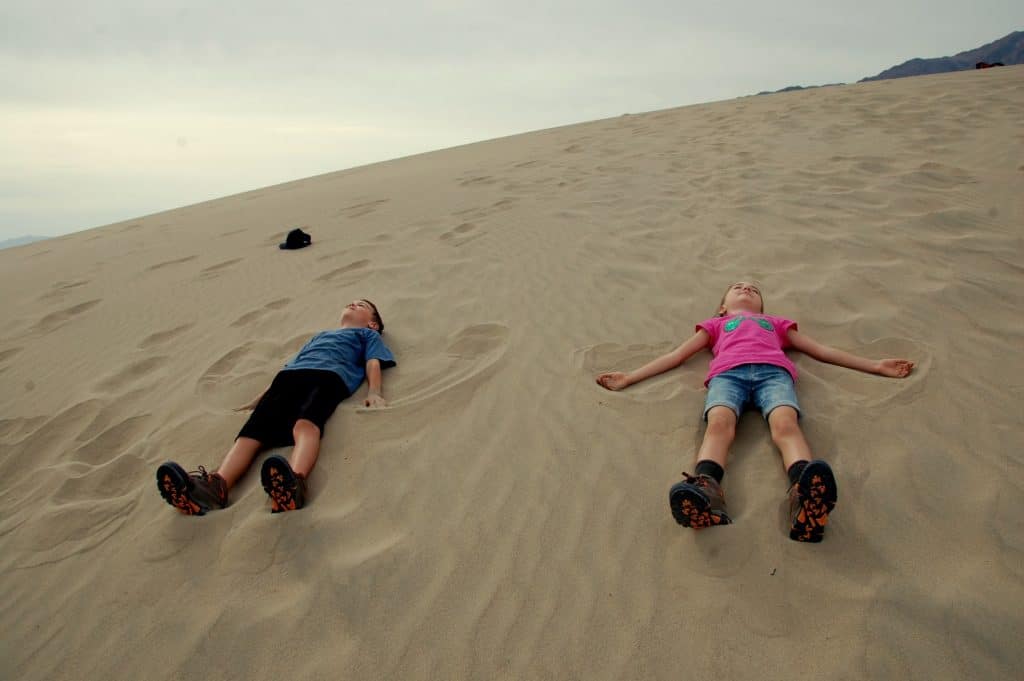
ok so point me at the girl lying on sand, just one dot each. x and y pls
(749, 367)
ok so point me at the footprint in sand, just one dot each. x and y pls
(461, 234)
(61, 288)
(252, 316)
(477, 181)
(112, 442)
(480, 213)
(214, 270)
(8, 353)
(936, 176)
(57, 533)
(344, 275)
(84, 486)
(168, 263)
(131, 374)
(161, 337)
(245, 370)
(61, 317)
(597, 359)
(470, 355)
(118, 475)
(358, 210)
(17, 429)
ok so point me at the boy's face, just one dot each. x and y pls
(359, 313)
(743, 296)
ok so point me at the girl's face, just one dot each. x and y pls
(743, 296)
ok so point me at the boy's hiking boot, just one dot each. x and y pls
(287, 491)
(811, 499)
(192, 493)
(698, 502)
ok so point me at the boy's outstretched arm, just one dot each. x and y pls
(373, 379)
(893, 368)
(616, 380)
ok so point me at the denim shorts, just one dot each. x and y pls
(763, 386)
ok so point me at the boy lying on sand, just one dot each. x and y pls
(292, 411)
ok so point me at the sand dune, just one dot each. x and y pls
(505, 517)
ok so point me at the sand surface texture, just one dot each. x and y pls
(505, 517)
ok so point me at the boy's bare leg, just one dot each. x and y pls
(238, 460)
(719, 435)
(307, 447)
(788, 437)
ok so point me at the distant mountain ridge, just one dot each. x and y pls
(21, 241)
(1008, 50)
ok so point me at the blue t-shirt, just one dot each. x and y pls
(345, 352)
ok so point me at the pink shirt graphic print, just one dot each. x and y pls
(748, 339)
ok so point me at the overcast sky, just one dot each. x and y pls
(112, 109)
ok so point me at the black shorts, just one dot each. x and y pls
(311, 394)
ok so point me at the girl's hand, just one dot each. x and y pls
(613, 380)
(374, 400)
(895, 368)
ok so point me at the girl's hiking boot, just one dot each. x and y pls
(192, 493)
(811, 498)
(287, 491)
(698, 502)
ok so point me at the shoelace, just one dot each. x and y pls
(695, 479)
(219, 487)
(201, 473)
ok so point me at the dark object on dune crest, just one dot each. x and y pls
(1007, 50)
(296, 239)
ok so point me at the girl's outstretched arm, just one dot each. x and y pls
(616, 380)
(893, 368)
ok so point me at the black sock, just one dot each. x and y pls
(710, 468)
(795, 470)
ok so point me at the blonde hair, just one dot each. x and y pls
(721, 313)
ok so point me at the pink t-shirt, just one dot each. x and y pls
(748, 339)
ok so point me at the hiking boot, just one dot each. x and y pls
(192, 493)
(698, 502)
(287, 491)
(811, 499)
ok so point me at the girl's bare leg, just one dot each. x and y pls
(238, 460)
(718, 436)
(788, 437)
(307, 447)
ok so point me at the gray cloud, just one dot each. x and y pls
(100, 94)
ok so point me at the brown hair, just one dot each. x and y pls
(376, 316)
(720, 312)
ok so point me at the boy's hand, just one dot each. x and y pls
(613, 380)
(374, 400)
(895, 368)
